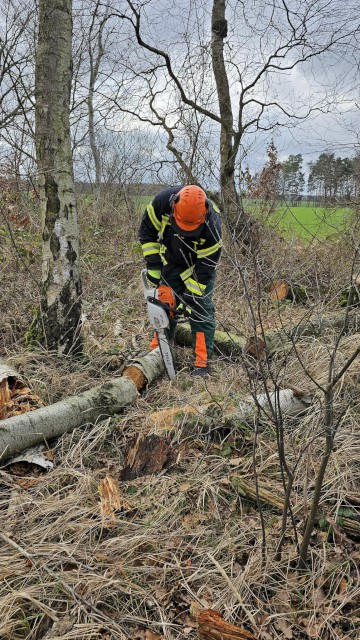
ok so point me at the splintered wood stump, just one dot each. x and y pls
(147, 454)
(212, 626)
(111, 501)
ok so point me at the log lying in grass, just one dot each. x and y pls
(269, 495)
(225, 343)
(288, 402)
(282, 339)
(26, 430)
(232, 345)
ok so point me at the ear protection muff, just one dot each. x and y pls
(174, 198)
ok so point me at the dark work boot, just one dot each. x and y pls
(200, 371)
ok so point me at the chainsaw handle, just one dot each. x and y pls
(149, 290)
(163, 305)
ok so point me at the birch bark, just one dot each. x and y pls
(61, 283)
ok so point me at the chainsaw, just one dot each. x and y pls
(159, 313)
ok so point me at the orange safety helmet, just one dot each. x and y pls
(190, 206)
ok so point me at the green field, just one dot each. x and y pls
(309, 222)
(306, 222)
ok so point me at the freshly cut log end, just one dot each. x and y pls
(278, 290)
(255, 347)
(212, 626)
(136, 376)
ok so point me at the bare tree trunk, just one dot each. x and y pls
(61, 284)
(238, 221)
(227, 151)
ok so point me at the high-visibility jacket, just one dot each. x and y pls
(163, 247)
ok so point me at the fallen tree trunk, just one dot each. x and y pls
(225, 343)
(269, 495)
(34, 427)
(287, 402)
(280, 339)
(232, 345)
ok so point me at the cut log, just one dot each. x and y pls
(282, 339)
(270, 495)
(26, 430)
(288, 402)
(225, 342)
(281, 290)
(233, 345)
(278, 290)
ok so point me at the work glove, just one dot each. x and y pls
(189, 307)
(153, 276)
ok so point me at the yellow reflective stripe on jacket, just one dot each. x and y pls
(152, 215)
(165, 221)
(195, 287)
(150, 248)
(162, 254)
(204, 253)
(186, 274)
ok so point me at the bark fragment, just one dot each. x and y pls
(16, 396)
(110, 500)
(212, 626)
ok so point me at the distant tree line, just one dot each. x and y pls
(330, 179)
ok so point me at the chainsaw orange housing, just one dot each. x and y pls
(166, 294)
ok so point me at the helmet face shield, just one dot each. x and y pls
(190, 206)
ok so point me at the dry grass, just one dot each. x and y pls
(184, 534)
